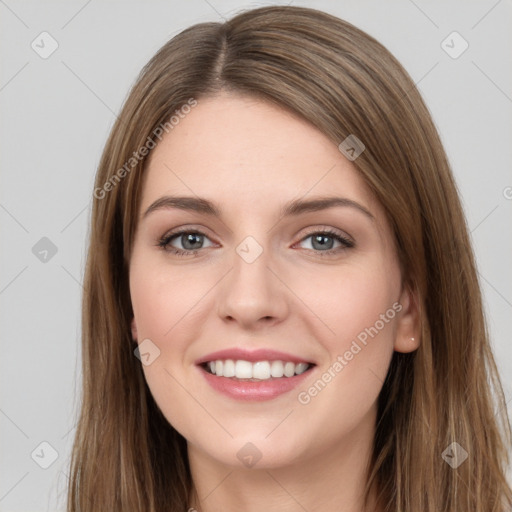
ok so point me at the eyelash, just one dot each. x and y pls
(164, 242)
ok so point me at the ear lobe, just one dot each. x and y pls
(134, 330)
(407, 337)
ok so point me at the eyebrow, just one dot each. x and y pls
(293, 208)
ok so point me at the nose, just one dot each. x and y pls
(252, 295)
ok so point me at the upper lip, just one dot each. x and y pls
(252, 356)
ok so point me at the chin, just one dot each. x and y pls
(258, 453)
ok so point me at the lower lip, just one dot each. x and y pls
(253, 390)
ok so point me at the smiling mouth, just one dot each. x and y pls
(255, 372)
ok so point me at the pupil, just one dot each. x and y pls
(321, 240)
(193, 239)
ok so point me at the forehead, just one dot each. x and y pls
(243, 150)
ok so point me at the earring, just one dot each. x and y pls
(412, 339)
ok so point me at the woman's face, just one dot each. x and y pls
(244, 264)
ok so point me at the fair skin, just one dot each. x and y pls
(250, 158)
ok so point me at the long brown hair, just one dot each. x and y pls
(126, 456)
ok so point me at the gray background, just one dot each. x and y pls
(57, 112)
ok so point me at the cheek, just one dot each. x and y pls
(163, 298)
(358, 312)
(165, 303)
(350, 300)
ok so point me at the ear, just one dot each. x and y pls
(134, 330)
(408, 325)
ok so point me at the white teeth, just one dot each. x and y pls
(276, 369)
(261, 370)
(301, 368)
(229, 368)
(243, 370)
(289, 369)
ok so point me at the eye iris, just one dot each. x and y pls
(193, 238)
(321, 239)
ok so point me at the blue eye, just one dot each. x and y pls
(191, 242)
(322, 242)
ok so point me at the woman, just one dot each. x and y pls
(282, 310)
